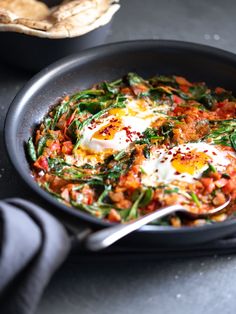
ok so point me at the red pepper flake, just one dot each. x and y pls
(128, 133)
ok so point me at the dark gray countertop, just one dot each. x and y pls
(137, 285)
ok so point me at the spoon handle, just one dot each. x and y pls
(105, 237)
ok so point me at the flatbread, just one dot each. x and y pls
(70, 19)
(40, 25)
(72, 8)
(75, 26)
(35, 10)
(6, 16)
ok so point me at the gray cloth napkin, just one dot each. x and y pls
(33, 244)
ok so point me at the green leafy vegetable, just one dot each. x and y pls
(170, 191)
(134, 209)
(58, 113)
(41, 144)
(31, 149)
(167, 129)
(195, 199)
(233, 140)
(222, 132)
(147, 197)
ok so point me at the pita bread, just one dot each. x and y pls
(73, 29)
(71, 8)
(41, 25)
(32, 9)
(70, 19)
(6, 16)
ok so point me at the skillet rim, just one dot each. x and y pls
(38, 80)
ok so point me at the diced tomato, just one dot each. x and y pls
(220, 105)
(67, 98)
(184, 88)
(178, 110)
(65, 195)
(208, 184)
(225, 109)
(177, 100)
(139, 88)
(182, 81)
(114, 216)
(126, 91)
(130, 181)
(215, 175)
(42, 163)
(229, 187)
(88, 195)
(71, 118)
(219, 90)
(67, 147)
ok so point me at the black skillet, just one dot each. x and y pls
(196, 62)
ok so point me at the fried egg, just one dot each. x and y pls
(185, 163)
(119, 127)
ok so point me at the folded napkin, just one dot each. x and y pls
(33, 244)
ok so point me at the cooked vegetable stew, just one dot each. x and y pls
(125, 148)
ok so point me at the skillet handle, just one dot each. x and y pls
(105, 237)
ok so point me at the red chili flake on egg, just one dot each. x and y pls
(128, 133)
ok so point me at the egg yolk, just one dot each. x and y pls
(118, 112)
(190, 162)
(108, 131)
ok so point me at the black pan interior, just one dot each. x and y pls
(196, 62)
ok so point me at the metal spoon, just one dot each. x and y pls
(105, 237)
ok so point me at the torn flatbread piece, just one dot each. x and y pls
(40, 25)
(31, 9)
(70, 19)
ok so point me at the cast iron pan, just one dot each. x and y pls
(196, 62)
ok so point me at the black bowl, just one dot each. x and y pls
(196, 62)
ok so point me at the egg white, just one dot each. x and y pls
(158, 168)
(119, 141)
(135, 117)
